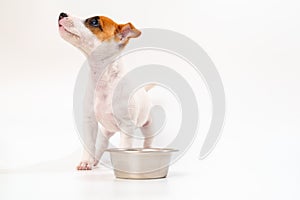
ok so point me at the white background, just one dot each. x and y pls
(255, 46)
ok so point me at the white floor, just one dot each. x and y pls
(232, 171)
(59, 179)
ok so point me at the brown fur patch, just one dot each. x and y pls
(108, 29)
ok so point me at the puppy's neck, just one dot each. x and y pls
(104, 60)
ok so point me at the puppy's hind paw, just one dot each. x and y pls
(85, 165)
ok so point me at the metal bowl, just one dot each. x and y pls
(141, 163)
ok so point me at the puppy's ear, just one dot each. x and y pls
(127, 31)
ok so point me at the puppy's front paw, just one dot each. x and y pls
(85, 165)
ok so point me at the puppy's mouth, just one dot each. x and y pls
(65, 29)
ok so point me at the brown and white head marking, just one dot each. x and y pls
(89, 34)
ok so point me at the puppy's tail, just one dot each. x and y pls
(149, 86)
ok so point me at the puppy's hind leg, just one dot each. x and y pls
(126, 140)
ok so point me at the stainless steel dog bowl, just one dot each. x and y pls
(139, 163)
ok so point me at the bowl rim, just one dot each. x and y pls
(141, 150)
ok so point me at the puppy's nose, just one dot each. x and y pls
(62, 15)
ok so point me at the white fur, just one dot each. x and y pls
(103, 78)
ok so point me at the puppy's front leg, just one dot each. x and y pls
(102, 143)
(90, 128)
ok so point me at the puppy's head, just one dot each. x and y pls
(88, 34)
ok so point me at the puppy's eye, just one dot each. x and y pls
(94, 22)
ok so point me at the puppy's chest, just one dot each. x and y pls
(103, 105)
(105, 89)
(103, 98)
(105, 84)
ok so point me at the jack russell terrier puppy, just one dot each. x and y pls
(102, 40)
